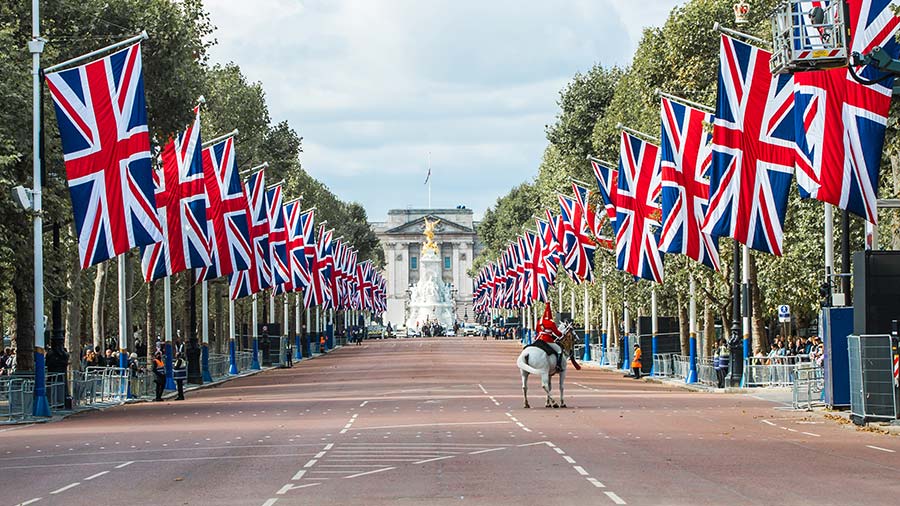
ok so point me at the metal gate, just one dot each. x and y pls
(872, 395)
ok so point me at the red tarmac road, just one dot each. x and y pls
(440, 421)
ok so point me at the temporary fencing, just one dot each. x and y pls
(776, 371)
(662, 364)
(808, 386)
(612, 356)
(706, 372)
(681, 366)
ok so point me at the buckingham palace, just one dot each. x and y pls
(401, 237)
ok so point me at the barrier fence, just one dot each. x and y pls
(809, 386)
(777, 371)
(662, 365)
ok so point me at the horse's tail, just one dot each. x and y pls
(522, 362)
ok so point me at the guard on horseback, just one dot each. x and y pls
(547, 334)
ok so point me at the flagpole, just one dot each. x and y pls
(624, 352)
(654, 327)
(587, 328)
(204, 326)
(692, 346)
(308, 347)
(829, 248)
(123, 321)
(604, 324)
(745, 309)
(285, 332)
(317, 320)
(167, 303)
(298, 353)
(254, 360)
(232, 347)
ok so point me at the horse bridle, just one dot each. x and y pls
(566, 341)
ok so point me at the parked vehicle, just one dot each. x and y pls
(376, 331)
(470, 329)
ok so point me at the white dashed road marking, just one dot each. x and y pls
(485, 451)
(434, 459)
(616, 499)
(91, 477)
(880, 449)
(369, 472)
(67, 487)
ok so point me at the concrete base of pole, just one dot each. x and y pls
(298, 353)
(232, 358)
(626, 355)
(170, 373)
(587, 347)
(204, 363)
(692, 361)
(653, 343)
(41, 406)
(254, 361)
(746, 355)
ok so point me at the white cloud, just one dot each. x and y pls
(374, 85)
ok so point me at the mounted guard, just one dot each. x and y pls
(538, 357)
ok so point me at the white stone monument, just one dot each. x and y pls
(430, 299)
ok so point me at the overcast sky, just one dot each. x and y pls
(373, 86)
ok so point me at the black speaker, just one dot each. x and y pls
(668, 338)
(876, 291)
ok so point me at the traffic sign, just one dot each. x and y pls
(784, 313)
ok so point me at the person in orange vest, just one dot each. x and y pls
(322, 344)
(636, 361)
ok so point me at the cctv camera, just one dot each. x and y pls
(22, 195)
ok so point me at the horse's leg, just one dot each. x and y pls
(545, 382)
(562, 393)
(525, 387)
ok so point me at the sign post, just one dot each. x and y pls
(784, 317)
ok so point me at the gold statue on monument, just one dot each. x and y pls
(429, 244)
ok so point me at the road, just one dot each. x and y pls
(440, 421)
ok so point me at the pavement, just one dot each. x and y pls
(440, 421)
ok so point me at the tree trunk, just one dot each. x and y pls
(759, 341)
(73, 314)
(97, 330)
(709, 325)
(23, 338)
(684, 328)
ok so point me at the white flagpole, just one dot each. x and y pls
(587, 326)
(829, 243)
(654, 326)
(309, 332)
(254, 360)
(123, 320)
(298, 353)
(285, 332)
(604, 318)
(692, 346)
(232, 346)
(745, 268)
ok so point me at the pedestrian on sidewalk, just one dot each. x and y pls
(322, 343)
(636, 361)
(179, 373)
(724, 356)
(159, 375)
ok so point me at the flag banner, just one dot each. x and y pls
(685, 156)
(281, 272)
(637, 209)
(549, 248)
(259, 276)
(841, 123)
(607, 185)
(753, 149)
(181, 205)
(102, 118)
(577, 246)
(296, 254)
(324, 250)
(228, 217)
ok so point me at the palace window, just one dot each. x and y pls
(447, 263)
(413, 262)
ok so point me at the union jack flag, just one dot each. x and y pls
(281, 269)
(577, 246)
(364, 284)
(228, 217)
(181, 204)
(522, 287)
(325, 265)
(102, 122)
(753, 149)
(259, 276)
(550, 266)
(607, 184)
(637, 209)
(685, 155)
(841, 123)
(296, 254)
(316, 293)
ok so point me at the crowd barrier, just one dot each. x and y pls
(771, 371)
(663, 365)
(809, 386)
(612, 356)
(681, 366)
(706, 372)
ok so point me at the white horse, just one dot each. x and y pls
(533, 360)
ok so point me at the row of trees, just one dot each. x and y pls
(176, 72)
(681, 57)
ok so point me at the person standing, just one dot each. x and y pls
(159, 375)
(724, 355)
(322, 344)
(179, 373)
(636, 361)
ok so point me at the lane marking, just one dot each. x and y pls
(596, 482)
(120, 466)
(580, 470)
(67, 487)
(321, 454)
(880, 449)
(287, 488)
(482, 389)
(91, 477)
(369, 472)
(486, 451)
(811, 434)
(558, 450)
(328, 446)
(768, 422)
(430, 425)
(526, 429)
(270, 502)
(568, 459)
(434, 459)
(299, 474)
(30, 501)
(363, 404)
(532, 444)
(311, 463)
(616, 499)
(551, 445)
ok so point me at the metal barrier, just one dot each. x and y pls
(218, 365)
(578, 351)
(612, 356)
(12, 398)
(243, 359)
(681, 366)
(596, 352)
(662, 365)
(808, 386)
(706, 373)
(775, 371)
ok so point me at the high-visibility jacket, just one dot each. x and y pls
(636, 361)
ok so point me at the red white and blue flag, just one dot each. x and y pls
(753, 149)
(228, 216)
(577, 246)
(296, 254)
(181, 205)
(637, 209)
(325, 265)
(685, 156)
(607, 185)
(102, 120)
(281, 268)
(259, 276)
(841, 123)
